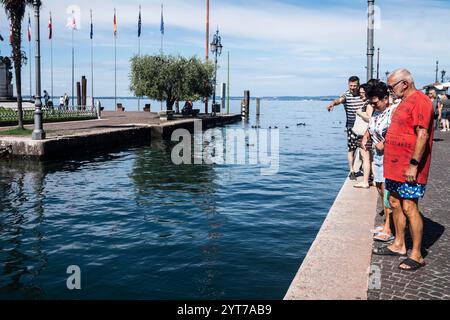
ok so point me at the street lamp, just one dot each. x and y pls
(216, 49)
(38, 132)
(443, 72)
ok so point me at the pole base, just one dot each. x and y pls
(38, 135)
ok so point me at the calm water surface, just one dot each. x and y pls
(140, 227)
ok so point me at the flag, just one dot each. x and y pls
(139, 23)
(92, 28)
(29, 28)
(72, 24)
(162, 20)
(50, 27)
(115, 24)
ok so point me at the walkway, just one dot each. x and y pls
(433, 281)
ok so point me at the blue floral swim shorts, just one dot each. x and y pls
(406, 190)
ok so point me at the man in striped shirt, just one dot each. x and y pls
(352, 102)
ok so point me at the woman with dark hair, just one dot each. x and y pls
(363, 115)
(378, 126)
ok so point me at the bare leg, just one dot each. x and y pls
(411, 210)
(387, 215)
(366, 165)
(400, 223)
(351, 158)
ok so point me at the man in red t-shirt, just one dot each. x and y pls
(407, 160)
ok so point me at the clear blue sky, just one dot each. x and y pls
(283, 47)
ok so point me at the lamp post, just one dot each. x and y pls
(216, 49)
(38, 132)
(443, 72)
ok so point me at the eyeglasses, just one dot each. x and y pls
(391, 88)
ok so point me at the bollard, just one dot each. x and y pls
(247, 102)
(78, 95)
(224, 94)
(83, 92)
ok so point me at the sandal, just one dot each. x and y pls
(384, 237)
(412, 264)
(361, 186)
(377, 229)
(385, 251)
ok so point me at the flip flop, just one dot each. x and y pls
(412, 264)
(385, 251)
(377, 229)
(384, 237)
(361, 186)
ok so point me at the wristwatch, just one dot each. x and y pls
(414, 162)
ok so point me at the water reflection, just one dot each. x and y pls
(21, 215)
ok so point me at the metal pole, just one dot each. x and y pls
(370, 39)
(228, 84)
(51, 63)
(139, 55)
(38, 132)
(215, 85)
(378, 64)
(92, 67)
(115, 72)
(73, 71)
(437, 70)
(207, 46)
(31, 87)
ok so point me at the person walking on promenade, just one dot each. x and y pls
(46, 98)
(363, 116)
(352, 102)
(378, 127)
(445, 113)
(437, 106)
(407, 160)
(66, 101)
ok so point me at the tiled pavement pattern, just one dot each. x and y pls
(433, 281)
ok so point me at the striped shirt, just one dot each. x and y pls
(351, 105)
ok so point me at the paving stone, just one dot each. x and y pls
(433, 281)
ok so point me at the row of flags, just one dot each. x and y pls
(73, 25)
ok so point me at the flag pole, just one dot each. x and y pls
(73, 66)
(92, 63)
(31, 94)
(207, 46)
(29, 46)
(115, 59)
(51, 55)
(162, 37)
(139, 50)
(228, 84)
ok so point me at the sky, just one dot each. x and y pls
(276, 47)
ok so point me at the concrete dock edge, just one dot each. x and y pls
(337, 264)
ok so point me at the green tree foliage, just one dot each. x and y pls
(15, 10)
(171, 78)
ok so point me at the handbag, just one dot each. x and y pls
(360, 127)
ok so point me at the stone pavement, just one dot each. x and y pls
(110, 121)
(433, 281)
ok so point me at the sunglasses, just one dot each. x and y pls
(391, 88)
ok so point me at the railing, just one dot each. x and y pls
(49, 115)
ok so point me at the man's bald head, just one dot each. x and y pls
(401, 83)
(402, 74)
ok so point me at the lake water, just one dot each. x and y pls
(140, 227)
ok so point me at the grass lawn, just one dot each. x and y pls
(17, 132)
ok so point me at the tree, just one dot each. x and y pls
(15, 10)
(170, 78)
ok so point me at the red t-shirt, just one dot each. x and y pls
(415, 111)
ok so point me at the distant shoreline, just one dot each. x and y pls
(268, 98)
